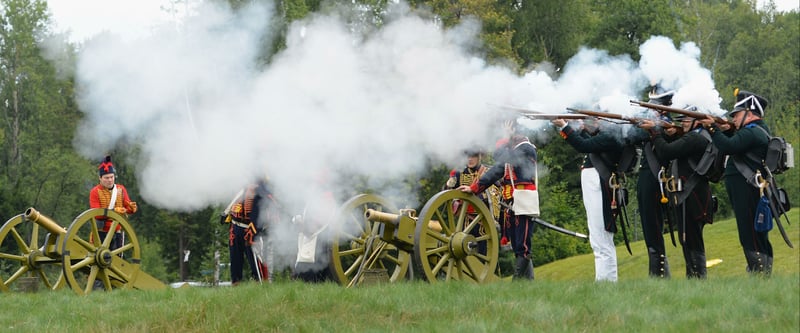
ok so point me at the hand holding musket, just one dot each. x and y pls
(649, 124)
(708, 121)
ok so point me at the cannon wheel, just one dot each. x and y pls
(357, 245)
(21, 243)
(449, 243)
(87, 258)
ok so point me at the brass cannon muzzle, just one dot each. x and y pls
(378, 216)
(394, 219)
(33, 215)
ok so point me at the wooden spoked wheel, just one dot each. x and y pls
(90, 263)
(22, 257)
(453, 243)
(357, 246)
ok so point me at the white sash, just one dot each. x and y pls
(235, 198)
(113, 201)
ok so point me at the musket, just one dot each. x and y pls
(538, 115)
(629, 119)
(559, 229)
(552, 226)
(551, 116)
(688, 113)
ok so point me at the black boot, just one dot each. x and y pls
(529, 270)
(698, 263)
(523, 269)
(659, 267)
(756, 262)
(691, 270)
(767, 264)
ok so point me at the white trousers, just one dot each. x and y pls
(602, 241)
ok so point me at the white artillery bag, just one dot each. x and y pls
(526, 202)
(306, 247)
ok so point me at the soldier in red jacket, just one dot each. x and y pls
(110, 195)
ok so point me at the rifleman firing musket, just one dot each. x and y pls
(629, 119)
(689, 113)
(537, 115)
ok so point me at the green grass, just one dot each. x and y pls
(564, 298)
(721, 242)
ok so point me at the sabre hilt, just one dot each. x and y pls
(673, 184)
(662, 179)
(761, 181)
(614, 185)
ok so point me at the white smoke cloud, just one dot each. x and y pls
(209, 118)
(680, 69)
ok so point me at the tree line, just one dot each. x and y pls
(756, 49)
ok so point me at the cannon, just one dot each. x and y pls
(443, 243)
(35, 248)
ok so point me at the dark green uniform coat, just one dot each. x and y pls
(692, 204)
(743, 194)
(651, 210)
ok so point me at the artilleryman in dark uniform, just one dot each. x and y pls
(743, 192)
(521, 155)
(648, 193)
(245, 224)
(604, 149)
(468, 176)
(692, 203)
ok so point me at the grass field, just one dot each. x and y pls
(564, 298)
(721, 242)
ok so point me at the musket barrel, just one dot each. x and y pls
(689, 113)
(632, 120)
(44, 221)
(599, 114)
(551, 116)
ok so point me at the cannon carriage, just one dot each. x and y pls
(36, 250)
(443, 243)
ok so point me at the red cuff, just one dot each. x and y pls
(501, 142)
(474, 187)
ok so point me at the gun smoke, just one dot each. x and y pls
(380, 104)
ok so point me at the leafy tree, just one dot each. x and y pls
(625, 24)
(495, 17)
(550, 30)
(743, 47)
(757, 59)
(40, 167)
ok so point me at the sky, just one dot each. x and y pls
(86, 18)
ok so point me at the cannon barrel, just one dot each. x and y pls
(394, 219)
(44, 221)
(378, 216)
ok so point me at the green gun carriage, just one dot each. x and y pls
(372, 237)
(36, 251)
